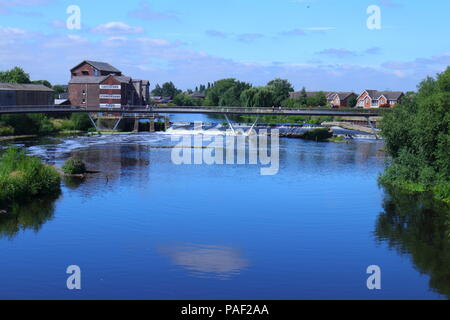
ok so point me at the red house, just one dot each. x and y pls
(376, 99)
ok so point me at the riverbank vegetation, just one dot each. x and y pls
(40, 124)
(23, 178)
(74, 166)
(416, 133)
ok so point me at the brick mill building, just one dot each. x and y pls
(96, 84)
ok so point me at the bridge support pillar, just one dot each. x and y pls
(372, 127)
(151, 126)
(93, 122)
(166, 123)
(136, 125)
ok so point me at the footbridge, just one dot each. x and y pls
(194, 110)
(153, 112)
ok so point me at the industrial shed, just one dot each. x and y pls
(17, 94)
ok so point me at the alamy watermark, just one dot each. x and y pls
(73, 22)
(74, 280)
(230, 148)
(374, 280)
(374, 19)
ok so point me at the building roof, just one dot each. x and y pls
(343, 95)
(24, 87)
(94, 80)
(101, 66)
(390, 95)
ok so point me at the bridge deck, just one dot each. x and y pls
(191, 110)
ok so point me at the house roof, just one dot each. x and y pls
(102, 66)
(344, 95)
(94, 80)
(390, 95)
(24, 87)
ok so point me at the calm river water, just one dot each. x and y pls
(145, 228)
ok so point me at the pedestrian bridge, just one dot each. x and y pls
(136, 111)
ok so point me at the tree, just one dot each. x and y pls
(265, 97)
(247, 97)
(317, 100)
(15, 75)
(352, 101)
(157, 91)
(233, 89)
(43, 82)
(303, 99)
(281, 89)
(169, 90)
(416, 136)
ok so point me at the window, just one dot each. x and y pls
(84, 92)
(85, 73)
(374, 103)
(84, 101)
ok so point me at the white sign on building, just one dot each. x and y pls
(110, 86)
(111, 96)
(110, 105)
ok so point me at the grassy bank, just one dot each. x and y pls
(23, 178)
(40, 124)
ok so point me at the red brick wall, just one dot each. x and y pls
(91, 97)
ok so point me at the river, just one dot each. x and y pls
(146, 228)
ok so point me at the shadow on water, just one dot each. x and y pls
(418, 226)
(31, 216)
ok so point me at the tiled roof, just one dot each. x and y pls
(24, 87)
(390, 95)
(93, 80)
(102, 66)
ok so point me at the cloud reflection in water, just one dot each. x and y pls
(207, 261)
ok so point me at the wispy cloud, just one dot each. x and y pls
(293, 32)
(340, 53)
(9, 6)
(373, 50)
(216, 34)
(389, 3)
(116, 28)
(249, 37)
(146, 12)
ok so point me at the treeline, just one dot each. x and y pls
(18, 75)
(417, 137)
(234, 93)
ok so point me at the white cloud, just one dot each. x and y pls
(116, 27)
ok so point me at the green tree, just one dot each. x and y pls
(169, 90)
(265, 97)
(233, 89)
(281, 89)
(317, 100)
(157, 91)
(15, 75)
(43, 82)
(416, 136)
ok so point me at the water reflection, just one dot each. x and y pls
(30, 216)
(418, 226)
(207, 260)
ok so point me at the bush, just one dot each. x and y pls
(319, 134)
(23, 177)
(74, 166)
(6, 131)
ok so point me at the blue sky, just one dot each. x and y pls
(319, 44)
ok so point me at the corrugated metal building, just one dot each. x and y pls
(17, 94)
